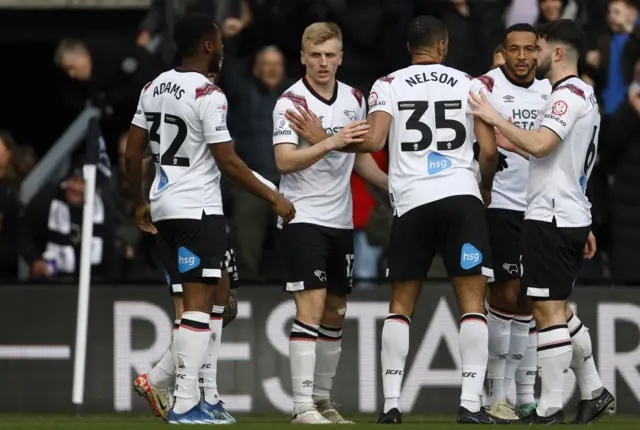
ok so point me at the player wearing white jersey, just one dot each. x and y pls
(317, 248)
(181, 114)
(515, 93)
(556, 232)
(438, 206)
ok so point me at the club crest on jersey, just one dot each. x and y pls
(351, 114)
(436, 163)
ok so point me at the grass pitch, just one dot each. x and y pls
(257, 422)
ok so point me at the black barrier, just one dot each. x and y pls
(130, 328)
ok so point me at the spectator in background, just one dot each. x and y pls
(155, 35)
(553, 10)
(51, 230)
(367, 256)
(15, 164)
(623, 153)
(110, 77)
(251, 100)
(134, 249)
(611, 62)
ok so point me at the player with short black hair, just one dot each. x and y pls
(515, 93)
(556, 232)
(181, 115)
(438, 206)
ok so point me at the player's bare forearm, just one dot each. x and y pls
(488, 163)
(291, 159)
(529, 141)
(137, 141)
(367, 167)
(232, 165)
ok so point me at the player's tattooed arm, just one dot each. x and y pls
(538, 143)
(137, 143)
(367, 167)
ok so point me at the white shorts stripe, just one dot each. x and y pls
(537, 292)
(211, 273)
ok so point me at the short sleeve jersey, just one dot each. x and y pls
(558, 182)
(183, 113)
(321, 193)
(431, 136)
(521, 103)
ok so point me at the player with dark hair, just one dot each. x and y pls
(438, 206)
(556, 235)
(515, 93)
(498, 57)
(182, 116)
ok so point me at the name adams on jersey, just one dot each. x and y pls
(430, 143)
(321, 192)
(183, 113)
(521, 103)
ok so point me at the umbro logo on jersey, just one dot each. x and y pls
(436, 163)
(187, 260)
(470, 256)
(508, 99)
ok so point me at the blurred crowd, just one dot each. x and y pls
(262, 50)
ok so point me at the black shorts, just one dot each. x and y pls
(317, 257)
(171, 269)
(551, 258)
(194, 249)
(505, 227)
(456, 226)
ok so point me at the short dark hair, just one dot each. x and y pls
(564, 31)
(425, 31)
(630, 3)
(190, 31)
(520, 27)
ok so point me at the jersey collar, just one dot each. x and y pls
(425, 63)
(566, 78)
(181, 70)
(515, 82)
(318, 96)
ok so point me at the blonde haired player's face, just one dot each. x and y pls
(322, 60)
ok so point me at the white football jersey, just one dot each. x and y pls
(183, 113)
(431, 137)
(321, 193)
(558, 182)
(521, 103)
